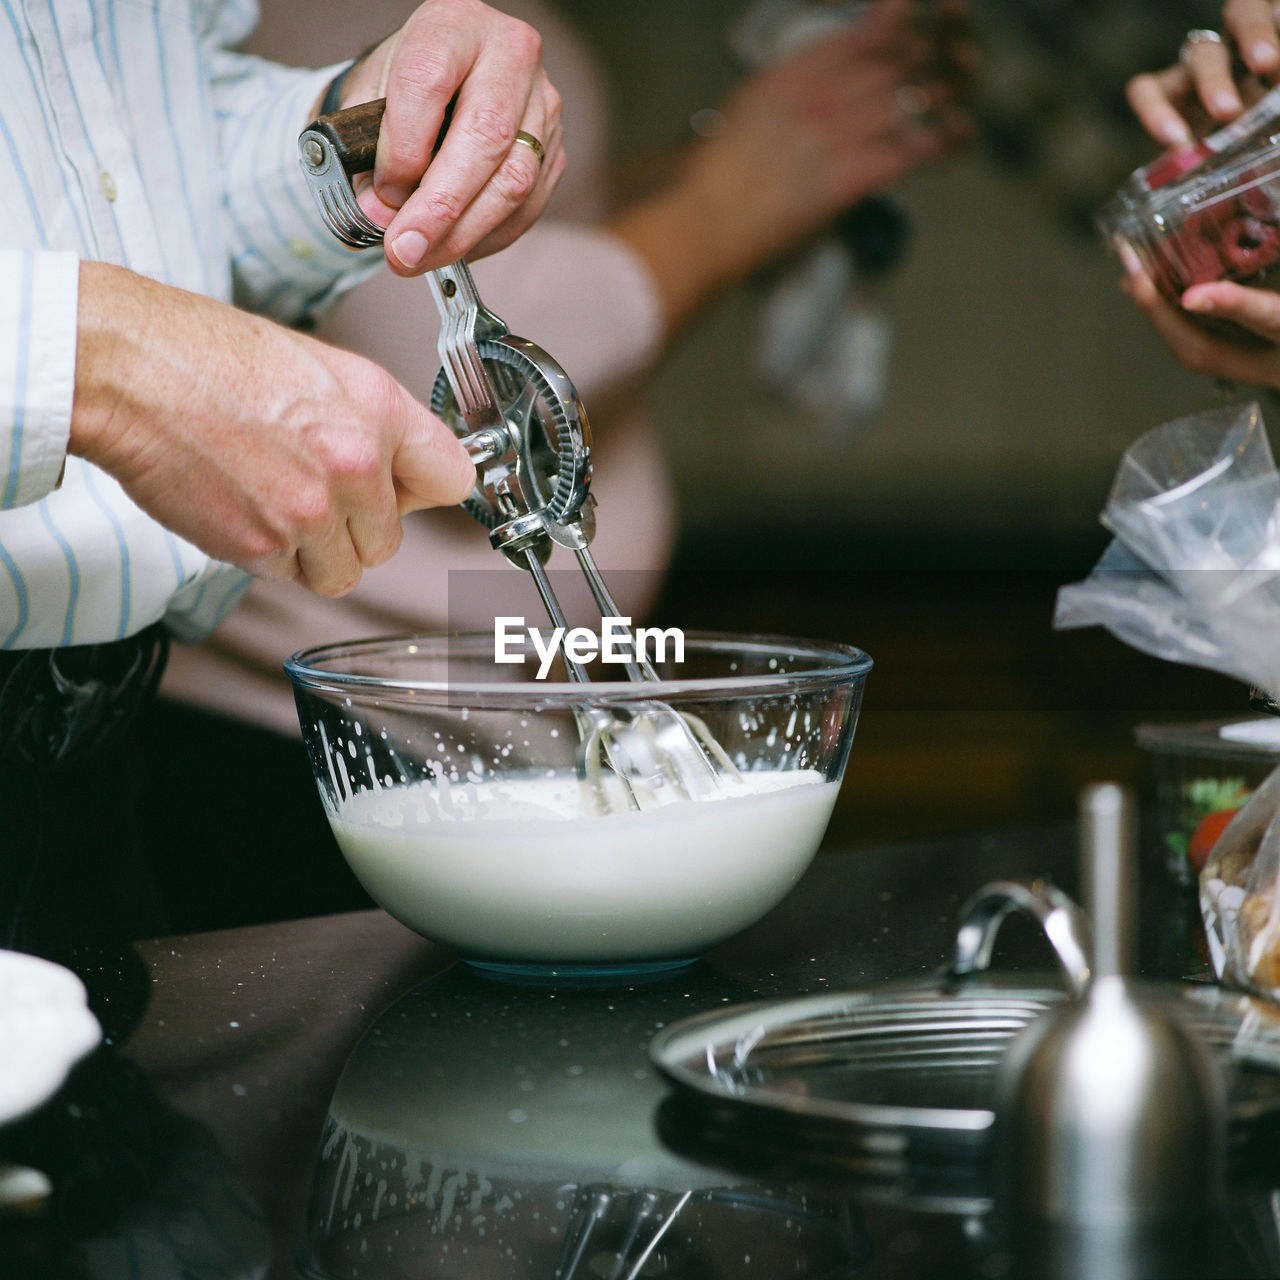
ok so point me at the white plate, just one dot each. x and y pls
(45, 1029)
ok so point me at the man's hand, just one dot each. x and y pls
(263, 447)
(484, 187)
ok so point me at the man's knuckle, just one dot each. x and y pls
(312, 515)
(354, 457)
(372, 394)
(493, 128)
(421, 76)
(442, 209)
(517, 177)
(527, 42)
(265, 544)
(454, 15)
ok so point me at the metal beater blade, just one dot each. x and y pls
(643, 1218)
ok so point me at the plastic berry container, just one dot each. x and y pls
(1220, 221)
(1206, 212)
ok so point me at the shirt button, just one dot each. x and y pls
(107, 185)
(301, 249)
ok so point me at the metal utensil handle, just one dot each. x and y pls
(341, 144)
(334, 148)
(353, 132)
(464, 320)
(550, 602)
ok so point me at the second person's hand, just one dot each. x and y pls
(800, 141)
(1249, 354)
(1200, 92)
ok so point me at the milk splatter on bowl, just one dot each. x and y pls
(453, 785)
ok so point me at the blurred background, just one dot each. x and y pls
(935, 531)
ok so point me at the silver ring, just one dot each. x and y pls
(913, 101)
(1197, 35)
(533, 144)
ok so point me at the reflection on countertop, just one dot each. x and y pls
(276, 1086)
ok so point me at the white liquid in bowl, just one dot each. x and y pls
(523, 870)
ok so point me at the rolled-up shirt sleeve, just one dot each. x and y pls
(38, 299)
(285, 261)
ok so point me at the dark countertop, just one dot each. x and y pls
(341, 1079)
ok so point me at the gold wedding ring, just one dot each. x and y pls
(533, 144)
(1197, 35)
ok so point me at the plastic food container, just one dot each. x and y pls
(1201, 774)
(1207, 212)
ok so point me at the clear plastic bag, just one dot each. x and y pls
(1193, 574)
(1240, 895)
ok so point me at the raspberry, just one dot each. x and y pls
(1257, 201)
(1209, 219)
(1189, 259)
(1173, 164)
(1249, 246)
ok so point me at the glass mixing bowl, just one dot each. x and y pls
(455, 786)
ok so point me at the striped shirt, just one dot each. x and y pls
(132, 133)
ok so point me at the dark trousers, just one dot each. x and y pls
(122, 817)
(71, 869)
(231, 824)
